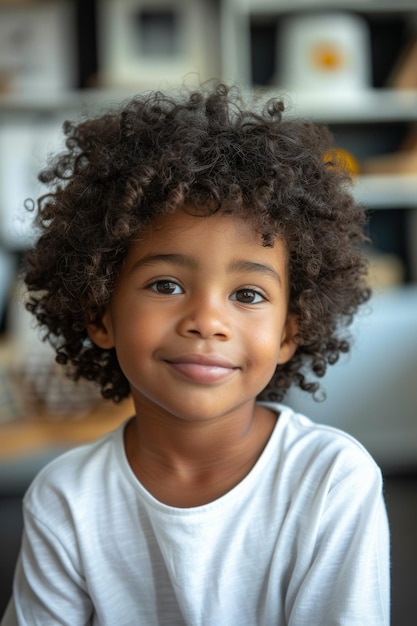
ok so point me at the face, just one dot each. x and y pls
(198, 317)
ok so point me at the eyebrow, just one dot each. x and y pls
(176, 259)
(190, 262)
(252, 266)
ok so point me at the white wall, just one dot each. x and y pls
(372, 393)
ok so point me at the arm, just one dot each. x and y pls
(48, 589)
(345, 581)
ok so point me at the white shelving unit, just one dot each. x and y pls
(236, 16)
(372, 394)
(361, 107)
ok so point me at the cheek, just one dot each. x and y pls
(136, 318)
(138, 332)
(266, 347)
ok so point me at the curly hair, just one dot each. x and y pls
(211, 150)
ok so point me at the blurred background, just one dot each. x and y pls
(349, 64)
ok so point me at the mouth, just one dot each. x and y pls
(202, 369)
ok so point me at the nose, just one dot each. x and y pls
(206, 317)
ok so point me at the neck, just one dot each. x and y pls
(189, 463)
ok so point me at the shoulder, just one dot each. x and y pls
(76, 475)
(324, 452)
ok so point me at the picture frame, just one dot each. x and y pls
(143, 43)
(37, 48)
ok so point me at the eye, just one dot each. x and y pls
(248, 296)
(166, 287)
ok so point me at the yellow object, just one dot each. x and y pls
(344, 160)
(327, 57)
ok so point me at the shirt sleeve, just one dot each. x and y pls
(48, 589)
(345, 547)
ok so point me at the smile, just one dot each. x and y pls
(202, 369)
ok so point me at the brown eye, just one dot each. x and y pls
(166, 287)
(248, 296)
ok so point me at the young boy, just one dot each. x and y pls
(202, 257)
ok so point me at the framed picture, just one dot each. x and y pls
(37, 51)
(324, 51)
(143, 43)
(24, 147)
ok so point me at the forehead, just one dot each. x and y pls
(217, 234)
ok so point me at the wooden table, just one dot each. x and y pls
(34, 430)
(38, 432)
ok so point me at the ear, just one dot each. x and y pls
(288, 340)
(101, 331)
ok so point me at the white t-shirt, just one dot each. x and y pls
(301, 540)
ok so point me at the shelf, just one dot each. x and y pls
(285, 6)
(76, 100)
(387, 192)
(373, 105)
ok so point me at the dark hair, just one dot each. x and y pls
(209, 150)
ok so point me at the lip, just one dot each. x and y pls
(202, 368)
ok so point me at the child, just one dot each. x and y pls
(202, 257)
